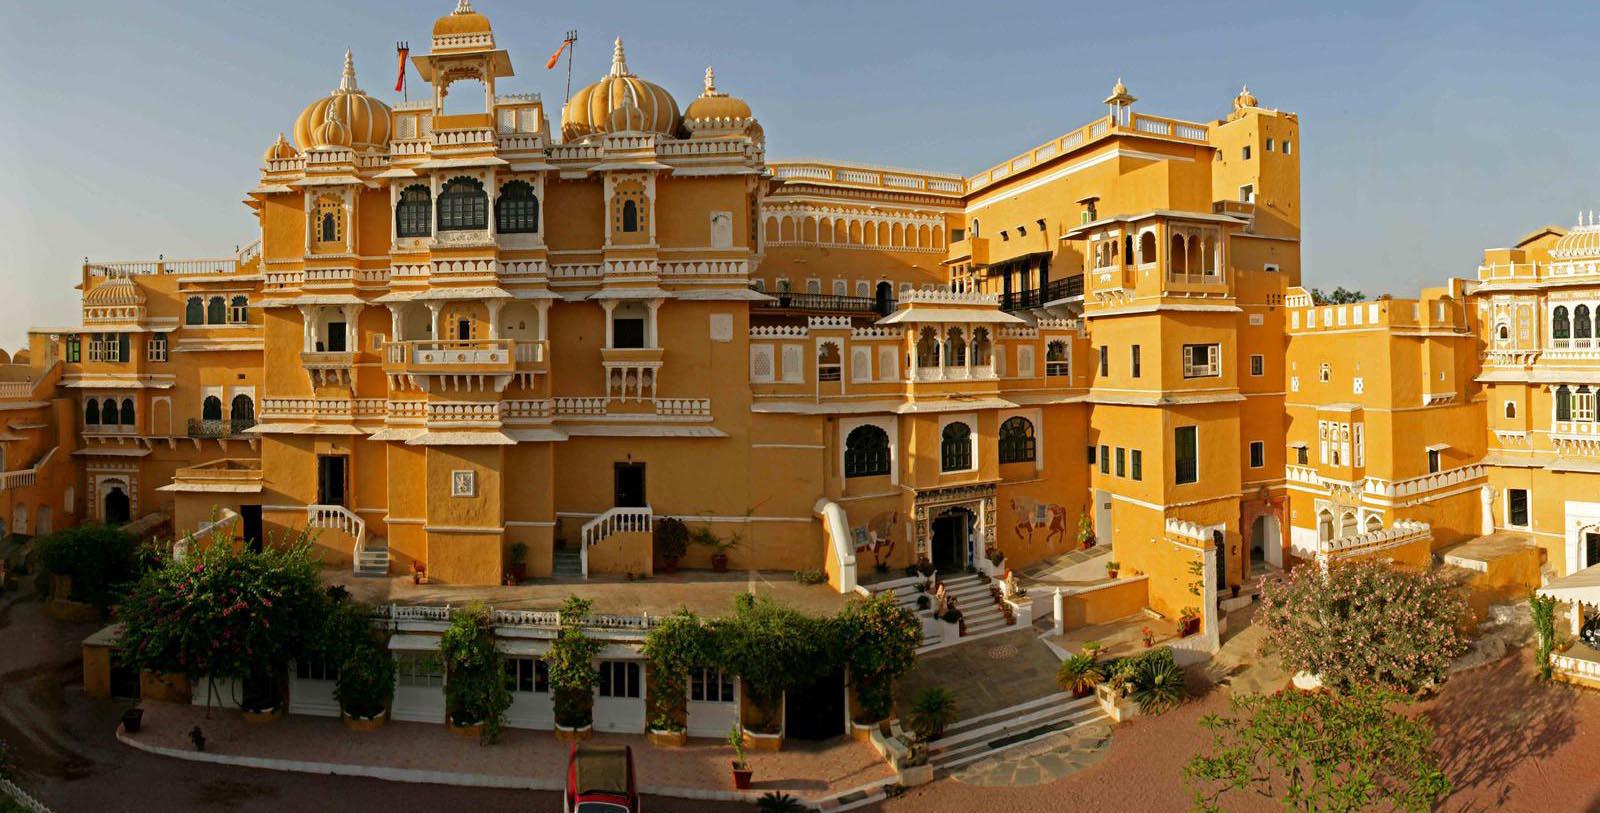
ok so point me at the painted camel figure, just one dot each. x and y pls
(1033, 514)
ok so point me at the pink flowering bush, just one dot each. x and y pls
(1366, 624)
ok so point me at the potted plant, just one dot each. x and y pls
(671, 542)
(365, 681)
(719, 547)
(419, 573)
(1111, 569)
(476, 697)
(925, 566)
(1148, 636)
(1188, 621)
(932, 711)
(1079, 674)
(1090, 648)
(778, 802)
(572, 672)
(996, 558)
(679, 643)
(741, 768)
(879, 640)
(1085, 531)
(783, 293)
(519, 562)
(132, 719)
(923, 602)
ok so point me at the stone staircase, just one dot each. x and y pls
(374, 558)
(988, 734)
(567, 564)
(976, 604)
(906, 596)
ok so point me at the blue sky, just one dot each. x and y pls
(1428, 130)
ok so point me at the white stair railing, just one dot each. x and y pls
(616, 520)
(222, 522)
(342, 519)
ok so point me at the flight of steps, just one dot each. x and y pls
(976, 604)
(988, 734)
(568, 564)
(906, 596)
(374, 559)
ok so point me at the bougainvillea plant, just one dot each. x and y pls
(679, 643)
(222, 614)
(879, 640)
(475, 672)
(572, 670)
(1366, 624)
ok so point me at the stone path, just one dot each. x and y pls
(1042, 761)
(986, 674)
(1078, 567)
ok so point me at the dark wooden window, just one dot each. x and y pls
(463, 206)
(619, 679)
(1517, 507)
(1186, 454)
(527, 675)
(630, 216)
(1017, 443)
(216, 311)
(194, 312)
(1136, 464)
(955, 447)
(516, 211)
(866, 452)
(414, 214)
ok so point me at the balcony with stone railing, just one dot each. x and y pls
(631, 372)
(1403, 533)
(329, 368)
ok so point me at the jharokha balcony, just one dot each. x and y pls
(417, 360)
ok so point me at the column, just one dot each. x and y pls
(609, 305)
(495, 305)
(307, 334)
(434, 308)
(1059, 620)
(650, 335)
(972, 346)
(394, 322)
(351, 313)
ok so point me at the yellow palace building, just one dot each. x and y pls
(461, 333)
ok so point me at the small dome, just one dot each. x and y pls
(1120, 94)
(117, 292)
(590, 110)
(280, 150)
(715, 110)
(1245, 99)
(1581, 243)
(461, 21)
(360, 121)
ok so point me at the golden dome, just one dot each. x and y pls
(1581, 243)
(599, 108)
(1120, 95)
(715, 110)
(117, 292)
(461, 21)
(345, 118)
(1245, 99)
(279, 150)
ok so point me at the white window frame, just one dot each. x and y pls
(1211, 369)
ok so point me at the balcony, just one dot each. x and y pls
(631, 371)
(329, 368)
(472, 364)
(829, 303)
(1053, 291)
(217, 428)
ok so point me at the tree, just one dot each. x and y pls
(227, 614)
(1543, 611)
(1338, 296)
(1366, 623)
(681, 642)
(879, 639)
(774, 648)
(357, 651)
(1318, 751)
(475, 671)
(100, 560)
(571, 667)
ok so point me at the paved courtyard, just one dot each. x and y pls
(985, 674)
(1046, 760)
(703, 592)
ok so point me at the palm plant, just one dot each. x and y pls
(1157, 682)
(934, 709)
(775, 802)
(1079, 674)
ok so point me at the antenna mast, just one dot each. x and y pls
(572, 45)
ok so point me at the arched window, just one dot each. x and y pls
(211, 409)
(928, 348)
(1374, 523)
(330, 228)
(1324, 525)
(955, 348)
(1127, 249)
(1503, 332)
(108, 412)
(1057, 361)
(414, 214)
(91, 413)
(975, 228)
(516, 211)
(1147, 247)
(242, 413)
(829, 362)
(1511, 409)
(1560, 327)
(1017, 444)
(194, 312)
(866, 452)
(630, 216)
(216, 311)
(127, 412)
(1347, 524)
(955, 447)
(1178, 257)
(1563, 403)
(239, 310)
(1580, 322)
(981, 347)
(463, 205)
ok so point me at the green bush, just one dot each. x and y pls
(932, 711)
(100, 559)
(570, 662)
(678, 644)
(1543, 611)
(356, 648)
(809, 577)
(1157, 681)
(475, 672)
(1079, 674)
(774, 648)
(879, 640)
(671, 537)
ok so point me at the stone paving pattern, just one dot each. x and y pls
(1045, 760)
(986, 674)
(801, 769)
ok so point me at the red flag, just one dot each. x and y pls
(555, 57)
(403, 49)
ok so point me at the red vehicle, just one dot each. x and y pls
(600, 780)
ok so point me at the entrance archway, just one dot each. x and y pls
(815, 712)
(952, 534)
(41, 526)
(883, 302)
(117, 508)
(1258, 544)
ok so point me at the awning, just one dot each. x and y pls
(325, 299)
(522, 647)
(919, 313)
(486, 438)
(1299, 444)
(1583, 586)
(1437, 447)
(724, 295)
(212, 488)
(414, 643)
(641, 292)
(463, 163)
(397, 433)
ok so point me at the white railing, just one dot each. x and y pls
(617, 520)
(21, 797)
(1402, 532)
(342, 519)
(1580, 667)
(546, 619)
(222, 523)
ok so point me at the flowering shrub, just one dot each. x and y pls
(879, 641)
(475, 683)
(1366, 624)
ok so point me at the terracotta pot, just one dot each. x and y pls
(565, 734)
(666, 739)
(363, 724)
(1188, 626)
(519, 571)
(741, 777)
(470, 730)
(1082, 692)
(1111, 574)
(719, 563)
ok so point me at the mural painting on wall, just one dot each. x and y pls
(877, 537)
(1034, 516)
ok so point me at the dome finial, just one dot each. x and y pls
(347, 82)
(463, 7)
(711, 81)
(619, 60)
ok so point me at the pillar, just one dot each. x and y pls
(650, 337)
(609, 305)
(1486, 507)
(1059, 620)
(434, 308)
(495, 305)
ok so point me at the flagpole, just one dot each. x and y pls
(572, 40)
